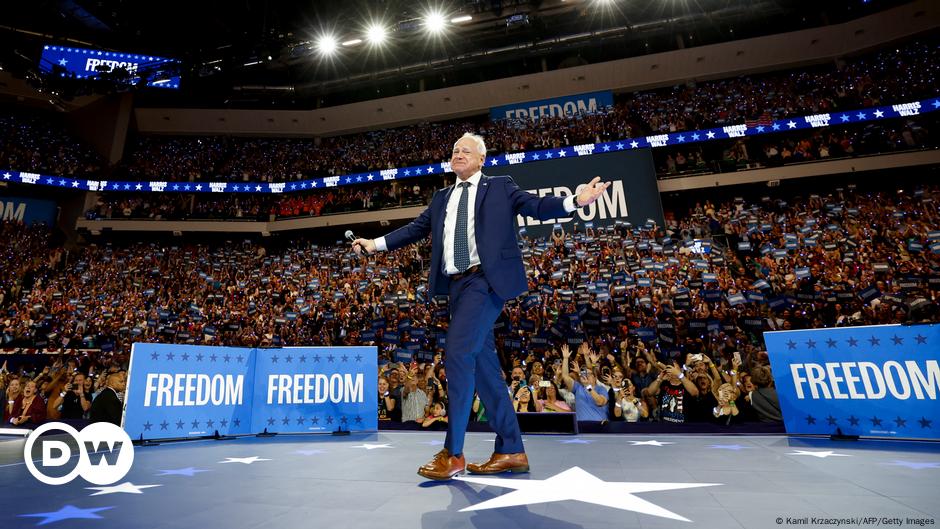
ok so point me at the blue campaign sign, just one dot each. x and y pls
(878, 381)
(590, 103)
(192, 391)
(315, 389)
(188, 391)
(85, 63)
(28, 210)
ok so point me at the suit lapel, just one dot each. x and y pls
(484, 185)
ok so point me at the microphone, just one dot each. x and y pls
(352, 237)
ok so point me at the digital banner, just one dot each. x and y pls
(590, 103)
(178, 391)
(672, 139)
(876, 381)
(633, 196)
(86, 63)
(28, 210)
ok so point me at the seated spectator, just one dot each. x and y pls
(29, 409)
(108, 406)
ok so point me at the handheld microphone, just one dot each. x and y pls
(352, 237)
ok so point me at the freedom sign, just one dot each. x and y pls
(873, 381)
(178, 391)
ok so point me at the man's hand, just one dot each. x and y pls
(367, 245)
(565, 351)
(590, 192)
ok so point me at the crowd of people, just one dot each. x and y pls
(892, 75)
(635, 303)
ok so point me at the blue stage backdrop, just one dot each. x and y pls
(192, 391)
(877, 381)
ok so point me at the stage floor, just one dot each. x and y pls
(588, 481)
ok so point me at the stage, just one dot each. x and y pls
(366, 481)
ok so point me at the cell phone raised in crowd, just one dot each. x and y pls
(544, 383)
(737, 357)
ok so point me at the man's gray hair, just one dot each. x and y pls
(481, 145)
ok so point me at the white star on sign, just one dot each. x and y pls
(257, 188)
(494, 161)
(634, 144)
(879, 114)
(791, 124)
(244, 460)
(198, 187)
(368, 446)
(63, 62)
(576, 484)
(822, 454)
(74, 183)
(138, 187)
(710, 135)
(651, 443)
(370, 177)
(126, 488)
(561, 153)
(6, 176)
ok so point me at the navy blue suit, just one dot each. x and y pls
(476, 300)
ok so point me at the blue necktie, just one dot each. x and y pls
(461, 246)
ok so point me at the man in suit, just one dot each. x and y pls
(108, 406)
(476, 260)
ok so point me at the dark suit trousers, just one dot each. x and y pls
(471, 361)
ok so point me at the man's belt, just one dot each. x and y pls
(472, 270)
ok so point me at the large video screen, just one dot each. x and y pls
(83, 63)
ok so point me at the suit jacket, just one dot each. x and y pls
(107, 407)
(498, 201)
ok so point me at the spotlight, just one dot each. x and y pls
(376, 34)
(434, 22)
(326, 45)
(461, 19)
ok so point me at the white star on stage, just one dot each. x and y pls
(577, 442)
(879, 114)
(368, 446)
(634, 144)
(576, 484)
(710, 135)
(434, 442)
(244, 460)
(822, 455)
(651, 443)
(126, 488)
(914, 464)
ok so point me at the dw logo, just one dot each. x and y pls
(105, 453)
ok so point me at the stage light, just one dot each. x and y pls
(326, 45)
(461, 19)
(434, 22)
(376, 34)
(352, 42)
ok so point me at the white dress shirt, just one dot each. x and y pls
(450, 223)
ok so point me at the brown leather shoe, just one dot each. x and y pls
(501, 463)
(443, 467)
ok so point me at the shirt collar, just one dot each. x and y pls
(474, 180)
